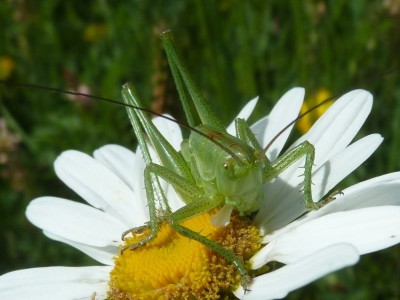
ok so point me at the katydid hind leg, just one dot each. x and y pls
(197, 207)
(181, 74)
(187, 190)
(169, 157)
(194, 208)
(214, 246)
(154, 191)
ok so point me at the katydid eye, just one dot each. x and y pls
(227, 166)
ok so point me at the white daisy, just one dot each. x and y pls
(365, 218)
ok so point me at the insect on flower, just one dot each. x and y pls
(213, 168)
(220, 179)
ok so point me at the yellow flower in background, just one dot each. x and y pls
(308, 120)
(94, 32)
(7, 65)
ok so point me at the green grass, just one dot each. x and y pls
(235, 51)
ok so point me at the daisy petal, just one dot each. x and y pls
(174, 201)
(169, 130)
(259, 128)
(223, 216)
(326, 177)
(75, 221)
(243, 114)
(100, 187)
(284, 112)
(378, 191)
(279, 283)
(367, 229)
(342, 164)
(55, 283)
(330, 136)
(338, 126)
(129, 166)
(104, 255)
(332, 133)
(121, 162)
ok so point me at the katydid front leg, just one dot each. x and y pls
(225, 253)
(195, 208)
(271, 170)
(286, 160)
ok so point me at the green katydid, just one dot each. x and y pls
(213, 167)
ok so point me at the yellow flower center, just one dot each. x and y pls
(175, 267)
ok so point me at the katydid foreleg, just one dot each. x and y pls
(286, 160)
(273, 169)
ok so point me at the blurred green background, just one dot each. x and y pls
(235, 50)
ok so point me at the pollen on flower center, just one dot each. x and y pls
(175, 267)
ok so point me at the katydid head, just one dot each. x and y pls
(240, 182)
(236, 175)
